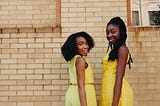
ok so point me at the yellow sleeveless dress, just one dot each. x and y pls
(108, 82)
(72, 95)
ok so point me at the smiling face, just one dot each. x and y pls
(112, 33)
(82, 46)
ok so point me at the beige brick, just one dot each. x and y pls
(20, 60)
(51, 66)
(16, 88)
(26, 17)
(42, 104)
(26, 40)
(24, 93)
(4, 45)
(46, 50)
(4, 77)
(37, 45)
(4, 56)
(32, 66)
(38, 16)
(54, 82)
(42, 61)
(65, 4)
(33, 12)
(9, 40)
(18, 77)
(3, 99)
(66, 76)
(58, 103)
(37, 55)
(54, 34)
(7, 103)
(7, 82)
(42, 82)
(15, 66)
(19, 35)
(58, 92)
(24, 82)
(17, 98)
(3, 88)
(17, 56)
(27, 25)
(30, 51)
(34, 87)
(10, 50)
(51, 77)
(35, 34)
(44, 40)
(25, 104)
(41, 93)
(14, 46)
(4, 66)
(48, 55)
(62, 70)
(25, 71)
(3, 22)
(34, 76)
(51, 98)
(51, 87)
(42, 71)
(34, 98)
(4, 35)
(8, 71)
(8, 93)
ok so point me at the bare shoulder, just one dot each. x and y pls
(123, 50)
(80, 60)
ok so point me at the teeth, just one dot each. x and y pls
(111, 40)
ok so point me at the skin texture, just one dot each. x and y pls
(82, 46)
(82, 49)
(122, 60)
(113, 35)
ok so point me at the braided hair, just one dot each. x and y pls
(122, 40)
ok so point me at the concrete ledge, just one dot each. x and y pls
(10, 30)
(26, 30)
(31, 30)
(143, 28)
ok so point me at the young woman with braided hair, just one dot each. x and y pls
(115, 89)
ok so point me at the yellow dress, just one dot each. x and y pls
(72, 95)
(108, 82)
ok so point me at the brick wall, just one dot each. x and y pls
(33, 71)
(30, 67)
(143, 42)
(27, 13)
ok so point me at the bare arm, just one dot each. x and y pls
(80, 69)
(122, 60)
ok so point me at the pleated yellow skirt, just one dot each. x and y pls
(72, 96)
(107, 89)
